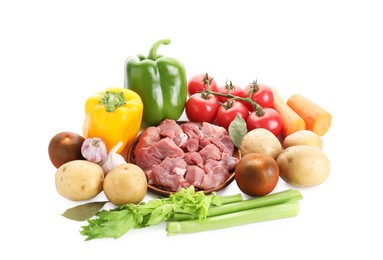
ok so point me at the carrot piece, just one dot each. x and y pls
(291, 121)
(317, 118)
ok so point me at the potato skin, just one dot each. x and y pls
(125, 183)
(303, 166)
(79, 180)
(261, 141)
(303, 137)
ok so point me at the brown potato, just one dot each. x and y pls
(125, 183)
(79, 180)
(261, 141)
(303, 166)
(303, 137)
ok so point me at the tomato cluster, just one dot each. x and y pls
(219, 104)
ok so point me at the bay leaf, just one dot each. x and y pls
(84, 211)
(237, 130)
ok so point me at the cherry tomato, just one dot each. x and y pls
(263, 96)
(226, 115)
(65, 147)
(197, 83)
(200, 109)
(234, 90)
(270, 120)
(256, 174)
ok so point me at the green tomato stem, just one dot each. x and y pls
(257, 108)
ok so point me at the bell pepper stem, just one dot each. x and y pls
(112, 100)
(153, 49)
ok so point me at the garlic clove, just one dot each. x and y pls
(113, 159)
(94, 149)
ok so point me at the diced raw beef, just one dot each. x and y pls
(226, 140)
(181, 140)
(194, 175)
(147, 138)
(191, 145)
(179, 171)
(170, 128)
(229, 161)
(210, 164)
(149, 177)
(165, 148)
(171, 182)
(212, 180)
(145, 160)
(204, 142)
(210, 130)
(194, 158)
(193, 130)
(210, 151)
(224, 144)
(174, 165)
(176, 156)
(216, 174)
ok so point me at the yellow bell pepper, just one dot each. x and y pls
(114, 115)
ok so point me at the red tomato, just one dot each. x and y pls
(197, 83)
(270, 120)
(263, 96)
(226, 115)
(234, 90)
(200, 109)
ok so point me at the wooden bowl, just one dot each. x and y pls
(166, 193)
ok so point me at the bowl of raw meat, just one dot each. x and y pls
(180, 154)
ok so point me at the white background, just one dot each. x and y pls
(54, 54)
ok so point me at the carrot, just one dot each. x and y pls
(291, 121)
(317, 118)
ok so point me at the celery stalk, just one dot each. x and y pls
(268, 200)
(266, 213)
(231, 198)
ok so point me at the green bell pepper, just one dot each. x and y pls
(161, 83)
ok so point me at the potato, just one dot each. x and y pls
(303, 137)
(303, 166)
(261, 141)
(125, 183)
(79, 180)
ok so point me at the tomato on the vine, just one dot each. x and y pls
(263, 95)
(270, 120)
(199, 108)
(226, 113)
(197, 83)
(235, 90)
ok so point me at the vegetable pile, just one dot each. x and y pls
(276, 140)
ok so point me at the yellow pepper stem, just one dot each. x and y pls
(112, 100)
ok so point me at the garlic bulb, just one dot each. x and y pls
(94, 149)
(113, 159)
